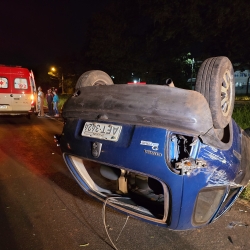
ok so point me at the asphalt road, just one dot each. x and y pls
(42, 207)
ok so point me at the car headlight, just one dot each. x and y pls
(207, 204)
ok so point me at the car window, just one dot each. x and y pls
(3, 83)
(21, 83)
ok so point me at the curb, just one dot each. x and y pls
(60, 119)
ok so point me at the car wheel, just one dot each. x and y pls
(93, 78)
(215, 81)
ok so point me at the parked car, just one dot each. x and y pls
(169, 156)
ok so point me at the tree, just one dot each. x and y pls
(205, 29)
(153, 38)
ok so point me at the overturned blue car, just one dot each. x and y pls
(166, 155)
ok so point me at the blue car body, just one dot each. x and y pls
(167, 166)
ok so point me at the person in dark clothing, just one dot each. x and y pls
(49, 98)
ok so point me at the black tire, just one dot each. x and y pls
(215, 81)
(92, 78)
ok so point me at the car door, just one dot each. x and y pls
(21, 92)
(5, 90)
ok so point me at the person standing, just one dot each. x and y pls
(55, 103)
(49, 98)
(40, 102)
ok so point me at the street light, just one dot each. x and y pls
(54, 73)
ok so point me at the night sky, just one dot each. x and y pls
(39, 31)
(139, 36)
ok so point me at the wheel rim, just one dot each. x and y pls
(226, 93)
(99, 83)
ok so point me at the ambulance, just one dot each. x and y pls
(17, 91)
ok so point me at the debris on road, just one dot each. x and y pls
(84, 245)
(237, 223)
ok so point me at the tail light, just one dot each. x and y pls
(32, 100)
(207, 203)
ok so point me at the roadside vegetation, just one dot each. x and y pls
(242, 98)
(62, 99)
(241, 115)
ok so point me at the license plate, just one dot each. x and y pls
(102, 131)
(3, 106)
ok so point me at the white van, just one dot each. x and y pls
(17, 91)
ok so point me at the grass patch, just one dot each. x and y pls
(246, 193)
(242, 116)
(242, 98)
(62, 99)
